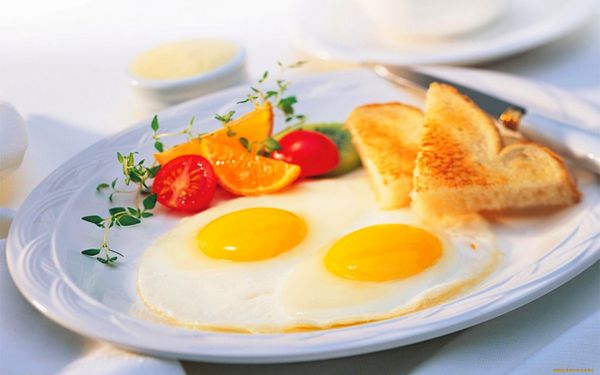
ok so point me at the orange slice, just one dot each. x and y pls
(189, 148)
(244, 173)
(254, 126)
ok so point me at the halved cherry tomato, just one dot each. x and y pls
(312, 151)
(186, 184)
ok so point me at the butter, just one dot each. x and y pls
(183, 59)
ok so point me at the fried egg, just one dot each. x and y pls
(317, 255)
(389, 264)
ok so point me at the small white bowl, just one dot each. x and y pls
(173, 91)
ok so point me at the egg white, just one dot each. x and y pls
(469, 254)
(179, 282)
(186, 287)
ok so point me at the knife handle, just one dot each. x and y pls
(583, 146)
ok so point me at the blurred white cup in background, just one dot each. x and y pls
(430, 18)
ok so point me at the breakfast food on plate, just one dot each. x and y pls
(246, 173)
(339, 134)
(314, 152)
(316, 255)
(463, 167)
(254, 126)
(386, 137)
(321, 253)
(187, 184)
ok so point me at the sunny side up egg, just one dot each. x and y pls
(315, 256)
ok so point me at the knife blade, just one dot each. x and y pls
(580, 145)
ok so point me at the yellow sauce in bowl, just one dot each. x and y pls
(183, 59)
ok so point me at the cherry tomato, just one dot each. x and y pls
(185, 184)
(312, 151)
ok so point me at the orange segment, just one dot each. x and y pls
(189, 148)
(254, 126)
(244, 173)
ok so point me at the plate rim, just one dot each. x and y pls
(543, 286)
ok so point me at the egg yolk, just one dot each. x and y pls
(383, 252)
(251, 234)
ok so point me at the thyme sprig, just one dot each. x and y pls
(134, 173)
(156, 136)
(258, 95)
(121, 217)
(226, 118)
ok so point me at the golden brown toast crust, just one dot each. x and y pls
(386, 137)
(462, 165)
(444, 160)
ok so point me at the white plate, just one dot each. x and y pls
(339, 30)
(97, 301)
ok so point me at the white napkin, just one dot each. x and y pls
(106, 360)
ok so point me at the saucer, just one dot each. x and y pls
(340, 31)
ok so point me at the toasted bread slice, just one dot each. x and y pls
(462, 165)
(386, 138)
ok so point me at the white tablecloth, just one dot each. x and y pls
(62, 65)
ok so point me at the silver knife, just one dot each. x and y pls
(580, 145)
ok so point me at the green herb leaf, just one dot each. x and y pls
(147, 214)
(115, 210)
(149, 202)
(94, 219)
(102, 260)
(270, 144)
(130, 159)
(154, 124)
(112, 259)
(158, 146)
(133, 176)
(127, 220)
(270, 94)
(152, 171)
(102, 186)
(244, 142)
(120, 157)
(226, 117)
(133, 211)
(287, 104)
(91, 252)
(264, 77)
